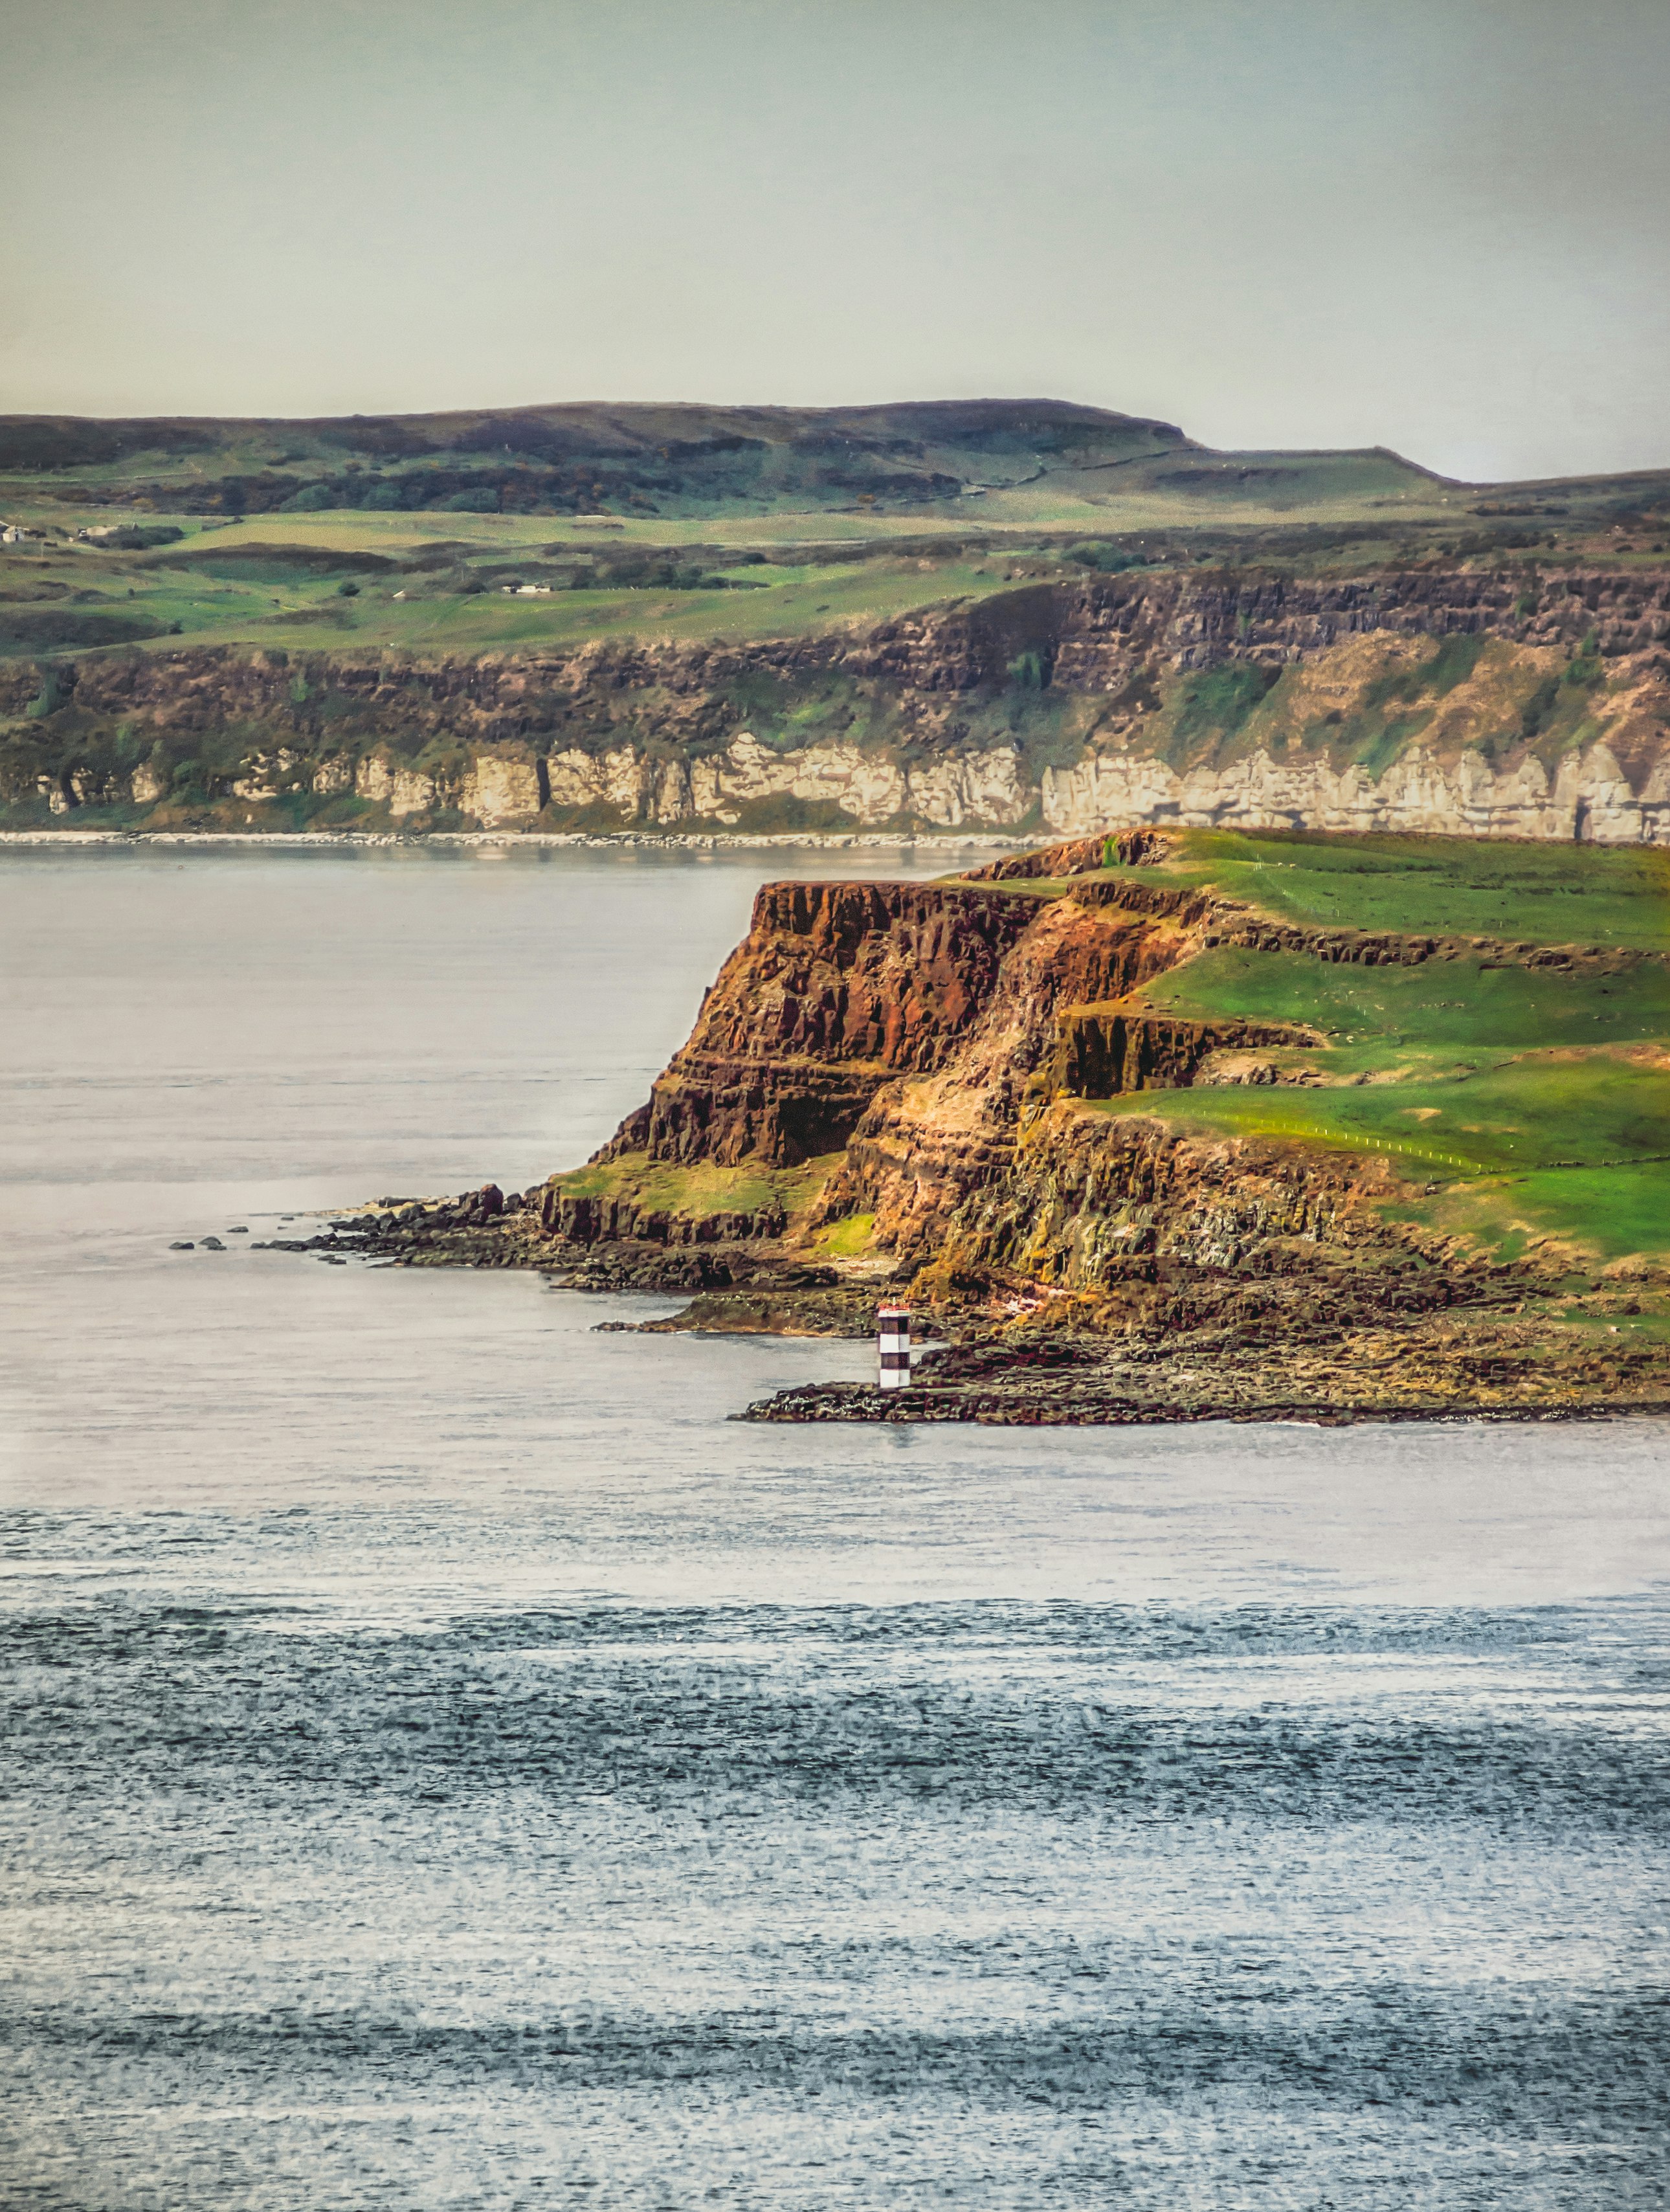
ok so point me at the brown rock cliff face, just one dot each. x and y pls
(925, 1144)
(1189, 1230)
(1193, 621)
(900, 1021)
(613, 1221)
(1103, 1052)
(1094, 637)
(837, 988)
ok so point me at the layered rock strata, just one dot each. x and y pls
(837, 990)
(937, 718)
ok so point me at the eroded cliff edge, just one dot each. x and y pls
(1449, 700)
(1141, 1146)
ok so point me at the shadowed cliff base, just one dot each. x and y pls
(1163, 1125)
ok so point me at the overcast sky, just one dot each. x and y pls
(1439, 225)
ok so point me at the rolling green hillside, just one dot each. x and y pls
(693, 522)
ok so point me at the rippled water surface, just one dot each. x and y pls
(447, 1765)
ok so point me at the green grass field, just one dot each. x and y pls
(1536, 893)
(934, 502)
(700, 1190)
(284, 585)
(1431, 1013)
(1516, 1103)
(1538, 1111)
(1613, 1213)
(278, 578)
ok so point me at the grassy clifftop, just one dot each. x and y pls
(1517, 1087)
(1542, 894)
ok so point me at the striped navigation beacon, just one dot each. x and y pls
(893, 1346)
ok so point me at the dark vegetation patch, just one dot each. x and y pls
(48, 629)
(28, 442)
(630, 569)
(1016, 634)
(27, 591)
(1452, 663)
(1108, 559)
(1553, 716)
(140, 537)
(252, 561)
(1213, 704)
(440, 553)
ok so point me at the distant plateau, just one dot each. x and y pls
(1016, 616)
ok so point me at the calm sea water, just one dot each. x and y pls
(449, 1766)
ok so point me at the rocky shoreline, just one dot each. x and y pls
(857, 1401)
(1500, 1343)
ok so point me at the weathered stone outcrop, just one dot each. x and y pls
(925, 1143)
(837, 989)
(601, 1220)
(1103, 1052)
(1195, 620)
(1100, 1203)
(1586, 794)
(1128, 848)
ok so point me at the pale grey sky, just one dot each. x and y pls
(1440, 225)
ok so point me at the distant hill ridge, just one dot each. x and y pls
(643, 458)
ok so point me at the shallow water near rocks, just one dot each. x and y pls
(449, 1765)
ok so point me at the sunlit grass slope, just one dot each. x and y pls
(699, 1190)
(1515, 1102)
(1534, 893)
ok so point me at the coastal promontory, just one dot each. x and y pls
(1163, 1125)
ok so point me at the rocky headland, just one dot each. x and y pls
(992, 1096)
